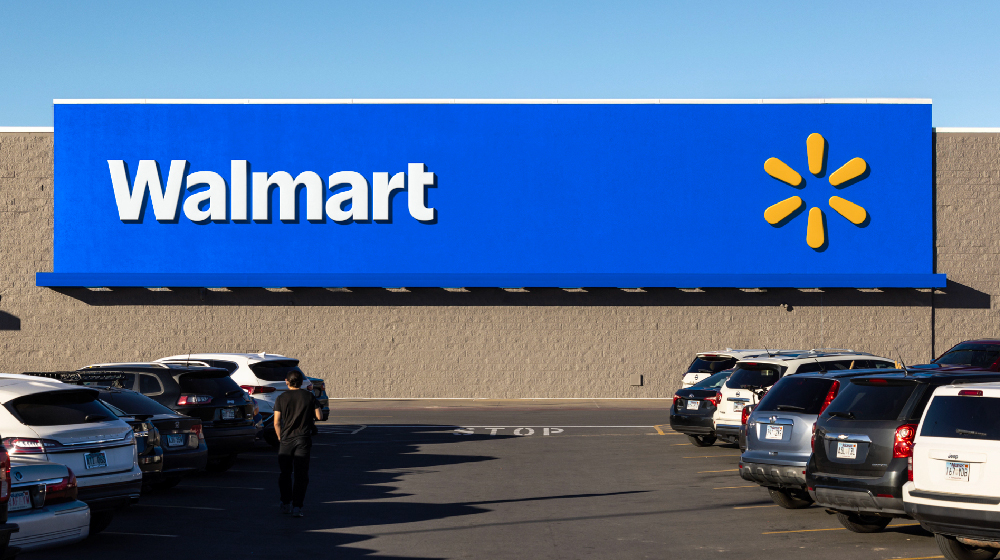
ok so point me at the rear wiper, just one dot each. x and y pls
(704, 371)
(962, 432)
(840, 414)
(790, 407)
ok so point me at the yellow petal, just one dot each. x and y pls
(816, 148)
(782, 210)
(848, 209)
(780, 171)
(851, 170)
(815, 232)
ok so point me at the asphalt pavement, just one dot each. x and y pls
(492, 480)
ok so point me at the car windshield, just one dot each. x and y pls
(275, 370)
(877, 399)
(61, 408)
(755, 375)
(713, 382)
(711, 364)
(134, 403)
(963, 417)
(971, 354)
(797, 394)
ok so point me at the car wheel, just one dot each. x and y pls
(221, 464)
(99, 521)
(863, 523)
(702, 441)
(954, 550)
(790, 499)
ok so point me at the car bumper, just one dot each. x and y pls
(728, 431)
(955, 521)
(110, 492)
(54, 525)
(180, 462)
(863, 494)
(784, 476)
(230, 441)
(861, 501)
(151, 463)
(693, 425)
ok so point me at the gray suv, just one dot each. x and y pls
(779, 433)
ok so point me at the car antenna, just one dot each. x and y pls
(768, 352)
(906, 372)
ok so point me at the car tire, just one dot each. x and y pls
(790, 499)
(701, 441)
(863, 523)
(220, 464)
(99, 521)
(954, 550)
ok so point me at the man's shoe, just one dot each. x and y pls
(286, 508)
(296, 512)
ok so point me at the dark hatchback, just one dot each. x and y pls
(694, 407)
(863, 444)
(208, 394)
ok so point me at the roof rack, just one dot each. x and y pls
(113, 378)
(829, 350)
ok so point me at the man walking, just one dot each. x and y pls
(295, 415)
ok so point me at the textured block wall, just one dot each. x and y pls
(488, 343)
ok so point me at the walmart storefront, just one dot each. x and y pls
(450, 248)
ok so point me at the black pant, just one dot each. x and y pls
(293, 456)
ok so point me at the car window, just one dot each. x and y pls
(60, 408)
(755, 375)
(226, 365)
(274, 370)
(810, 367)
(134, 403)
(879, 364)
(212, 384)
(963, 417)
(150, 385)
(713, 382)
(797, 394)
(866, 401)
(971, 354)
(711, 364)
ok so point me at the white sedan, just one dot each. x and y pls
(43, 504)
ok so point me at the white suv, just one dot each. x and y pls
(954, 488)
(707, 364)
(44, 420)
(754, 376)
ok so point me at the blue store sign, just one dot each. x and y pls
(501, 194)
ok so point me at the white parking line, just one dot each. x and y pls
(179, 507)
(138, 534)
(225, 487)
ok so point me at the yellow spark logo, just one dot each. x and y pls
(816, 228)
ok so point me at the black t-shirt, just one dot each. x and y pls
(298, 418)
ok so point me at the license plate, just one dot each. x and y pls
(774, 432)
(228, 414)
(738, 406)
(847, 450)
(95, 460)
(956, 471)
(19, 501)
(173, 440)
(693, 404)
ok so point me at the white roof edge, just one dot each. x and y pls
(980, 130)
(26, 129)
(890, 101)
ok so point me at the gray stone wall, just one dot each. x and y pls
(490, 343)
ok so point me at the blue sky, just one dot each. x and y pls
(946, 51)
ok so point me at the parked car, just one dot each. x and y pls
(44, 505)
(262, 375)
(954, 487)
(205, 393)
(779, 433)
(983, 354)
(44, 420)
(706, 364)
(6, 528)
(691, 413)
(754, 376)
(864, 441)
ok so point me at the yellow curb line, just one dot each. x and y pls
(844, 529)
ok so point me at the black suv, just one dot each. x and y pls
(694, 406)
(208, 394)
(863, 444)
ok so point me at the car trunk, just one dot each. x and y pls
(959, 446)
(177, 432)
(229, 404)
(784, 418)
(695, 402)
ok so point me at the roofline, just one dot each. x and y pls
(849, 101)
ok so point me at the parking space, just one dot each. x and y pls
(493, 480)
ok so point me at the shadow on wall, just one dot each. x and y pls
(955, 296)
(9, 322)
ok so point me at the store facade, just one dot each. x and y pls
(493, 249)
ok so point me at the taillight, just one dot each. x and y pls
(197, 429)
(902, 444)
(970, 393)
(745, 415)
(830, 395)
(676, 398)
(194, 399)
(716, 400)
(31, 445)
(63, 491)
(256, 389)
(4, 476)
(812, 442)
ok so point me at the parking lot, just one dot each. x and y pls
(493, 479)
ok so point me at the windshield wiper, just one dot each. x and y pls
(790, 407)
(962, 432)
(840, 414)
